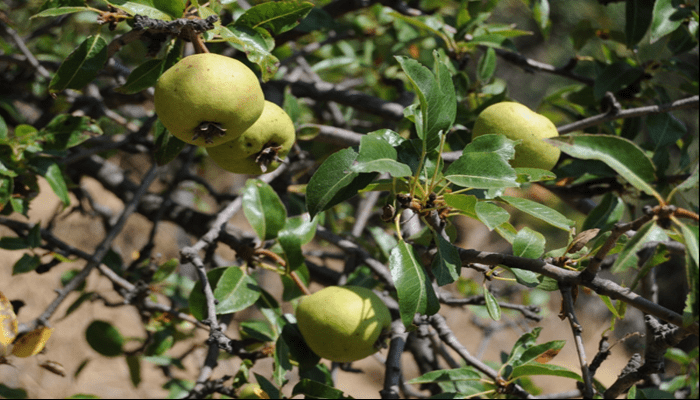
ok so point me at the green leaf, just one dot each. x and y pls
(628, 256)
(487, 65)
(447, 375)
(543, 369)
(233, 289)
(465, 203)
(540, 211)
(481, 171)
(55, 12)
(148, 8)
(540, 12)
(335, 182)
(534, 175)
(638, 14)
(104, 338)
(490, 214)
(142, 77)
(691, 237)
(378, 155)
(13, 243)
(263, 209)
(620, 154)
(492, 305)
(614, 78)
(26, 263)
(415, 292)
(667, 18)
(257, 45)
(133, 362)
(167, 146)
(525, 341)
(664, 129)
(446, 263)
(528, 244)
(547, 350)
(165, 269)
(81, 66)
(317, 390)
(54, 176)
(275, 17)
(438, 105)
(606, 214)
(608, 303)
(66, 131)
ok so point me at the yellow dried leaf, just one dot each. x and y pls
(8, 325)
(32, 343)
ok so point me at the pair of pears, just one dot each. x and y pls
(216, 102)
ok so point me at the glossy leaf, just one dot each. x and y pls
(54, 177)
(139, 8)
(167, 146)
(537, 210)
(606, 213)
(66, 131)
(664, 129)
(165, 269)
(543, 369)
(628, 256)
(667, 17)
(415, 292)
(492, 306)
(233, 289)
(81, 66)
(486, 65)
(638, 15)
(55, 12)
(438, 105)
(104, 338)
(446, 263)
(335, 182)
(623, 156)
(257, 45)
(528, 243)
(143, 77)
(447, 375)
(297, 231)
(490, 214)
(263, 209)
(275, 17)
(615, 77)
(26, 263)
(536, 352)
(466, 204)
(317, 390)
(481, 171)
(378, 155)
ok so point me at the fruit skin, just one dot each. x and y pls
(252, 391)
(274, 130)
(516, 121)
(343, 323)
(208, 87)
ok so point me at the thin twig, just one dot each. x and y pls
(577, 329)
(688, 102)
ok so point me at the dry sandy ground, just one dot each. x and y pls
(109, 377)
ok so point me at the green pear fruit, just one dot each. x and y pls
(261, 148)
(252, 391)
(516, 121)
(343, 323)
(208, 99)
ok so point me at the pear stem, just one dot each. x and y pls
(299, 283)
